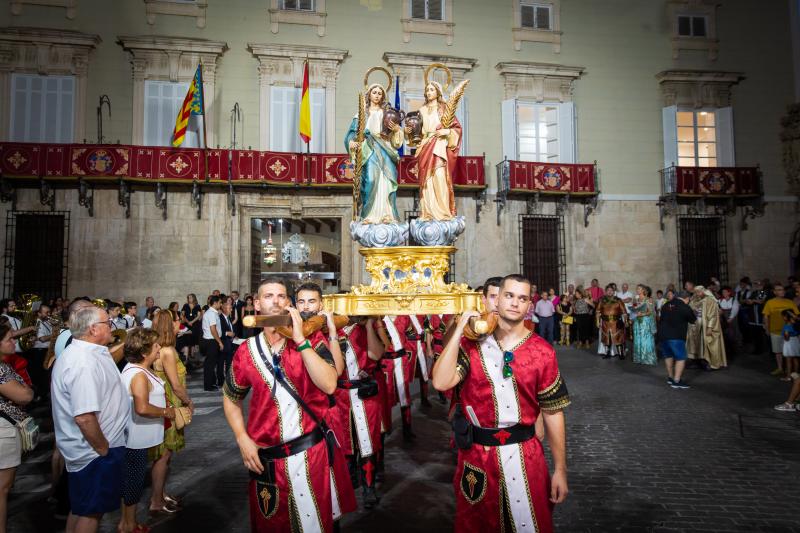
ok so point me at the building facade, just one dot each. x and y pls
(632, 88)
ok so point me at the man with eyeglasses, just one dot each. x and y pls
(285, 442)
(506, 380)
(90, 414)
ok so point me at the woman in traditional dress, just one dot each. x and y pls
(644, 327)
(436, 157)
(379, 160)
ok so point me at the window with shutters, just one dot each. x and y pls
(162, 101)
(537, 21)
(427, 9)
(284, 120)
(302, 12)
(697, 138)
(689, 26)
(428, 16)
(298, 5)
(535, 16)
(42, 108)
(537, 127)
(694, 26)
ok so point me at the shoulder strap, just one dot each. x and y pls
(280, 379)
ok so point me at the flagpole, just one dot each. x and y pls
(205, 136)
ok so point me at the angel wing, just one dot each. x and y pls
(452, 103)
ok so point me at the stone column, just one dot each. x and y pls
(329, 79)
(265, 71)
(6, 57)
(209, 83)
(80, 65)
(139, 76)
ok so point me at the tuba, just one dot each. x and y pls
(28, 318)
(58, 326)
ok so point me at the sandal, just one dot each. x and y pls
(164, 509)
(172, 500)
(785, 406)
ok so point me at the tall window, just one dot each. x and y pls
(285, 117)
(413, 101)
(538, 132)
(42, 108)
(692, 26)
(427, 9)
(535, 15)
(298, 5)
(697, 139)
(162, 101)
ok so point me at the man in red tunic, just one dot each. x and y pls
(358, 405)
(401, 361)
(285, 445)
(505, 381)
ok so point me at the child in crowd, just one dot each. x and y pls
(791, 343)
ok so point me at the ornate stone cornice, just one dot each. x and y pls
(410, 66)
(196, 10)
(71, 6)
(697, 88)
(540, 81)
(283, 63)
(172, 58)
(46, 51)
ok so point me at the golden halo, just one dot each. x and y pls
(388, 75)
(441, 66)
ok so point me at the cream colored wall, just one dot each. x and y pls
(622, 46)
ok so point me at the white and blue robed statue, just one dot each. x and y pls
(372, 142)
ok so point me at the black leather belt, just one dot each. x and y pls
(354, 383)
(413, 336)
(292, 447)
(394, 355)
(502, 436)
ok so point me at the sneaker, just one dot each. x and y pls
(785, 407)
(670, 381)
(679, 384)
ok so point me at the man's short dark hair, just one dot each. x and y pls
(310, 286)
(494, 281)
(114, 305)
(519, 278)
(682, 294)
(611, 286)
(4, 304)
(272, 280)
(212, 300)
(128, 305)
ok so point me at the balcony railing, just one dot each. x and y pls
(711, 182)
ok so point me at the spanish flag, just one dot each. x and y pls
(305, 108)
(193, 104)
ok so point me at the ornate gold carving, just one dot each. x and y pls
(178, 165)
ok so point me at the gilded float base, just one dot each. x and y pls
(406, 280)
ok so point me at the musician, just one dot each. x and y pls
(130, 315)
(611, 318)
(284, 442)
(8, 307)
(505, 382)
(117, 322)
(44, 332)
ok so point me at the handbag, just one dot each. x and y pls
(28, 431)
(567, 319)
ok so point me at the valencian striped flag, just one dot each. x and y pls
(305, 108)
(193, 104)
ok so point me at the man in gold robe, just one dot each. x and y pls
(704, 341)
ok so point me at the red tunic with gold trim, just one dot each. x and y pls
(506, 485)
(400, 370)
(274, 418)
(353, 416)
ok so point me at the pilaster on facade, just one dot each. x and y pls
(706, 9)
(46, 52)
(315, 18)
(538, 81)
(195, 9)
(282, 65)
(698, 88)
(445, 27)
(410, 68)
(71, 6)
(173, 59)
(552, 35)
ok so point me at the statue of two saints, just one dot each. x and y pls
(374, 137)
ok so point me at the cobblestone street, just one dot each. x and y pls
(642, 457)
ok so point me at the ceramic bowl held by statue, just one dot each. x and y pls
(390, 115)
(414, 122)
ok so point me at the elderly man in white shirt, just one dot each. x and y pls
(90, 414)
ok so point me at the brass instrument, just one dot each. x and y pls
(28, 318)
(57, 325)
